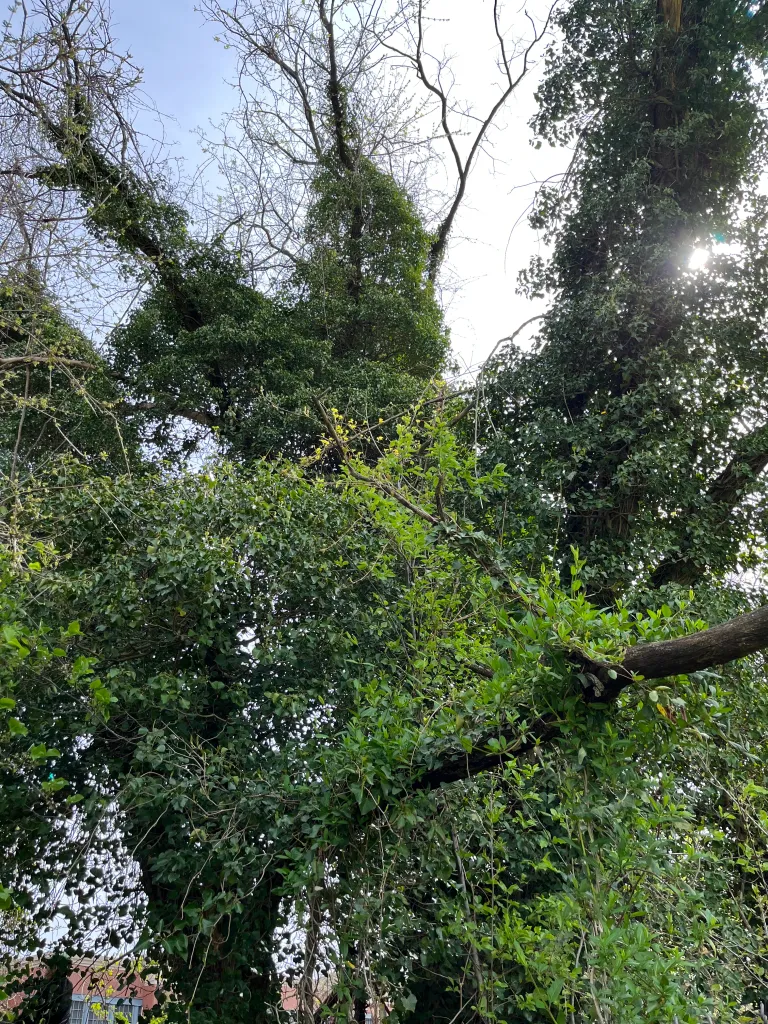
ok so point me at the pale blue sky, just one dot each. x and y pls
(184, 74)
(184, 67)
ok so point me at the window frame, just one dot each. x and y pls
(122, 1003)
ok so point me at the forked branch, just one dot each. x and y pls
(718, 645)
(432, 83)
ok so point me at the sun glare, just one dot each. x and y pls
(699, 259)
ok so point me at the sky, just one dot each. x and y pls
(185, 76)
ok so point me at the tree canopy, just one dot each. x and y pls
(320, 669)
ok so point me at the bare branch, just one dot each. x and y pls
(314, 79)
(49, 359)
(433, 84)
(61, 75)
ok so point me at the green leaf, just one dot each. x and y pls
(54, 785)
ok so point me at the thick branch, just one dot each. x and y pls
(335, 94)
(746, 634)
(737, 638)
(117, 199)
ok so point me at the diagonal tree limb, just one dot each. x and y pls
(378, 485)
(718, 645)
(739, 637)
(105, 186)
(434, 86)
(47, 358)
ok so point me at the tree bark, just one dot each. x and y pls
(744, 635)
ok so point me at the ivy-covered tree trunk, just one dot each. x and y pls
(630, 408)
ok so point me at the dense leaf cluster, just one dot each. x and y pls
(648, 379)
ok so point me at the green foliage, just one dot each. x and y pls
(65, 402)
(241, 365)
(250, 366)
(50, 700)
(48, 994)
(359, 324)
(288, 657)
(269, 723)
(645, 373)
(365, 277)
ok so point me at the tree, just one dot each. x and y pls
(60, 71)
(638, 418)
(203, 345)
(357, 317)
(338, 76)
(56, 394)
(360, 677)
(342, 722)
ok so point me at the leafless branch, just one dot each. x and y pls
(418, 57)
(63, 80)
(310, 79)
(47, 358)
